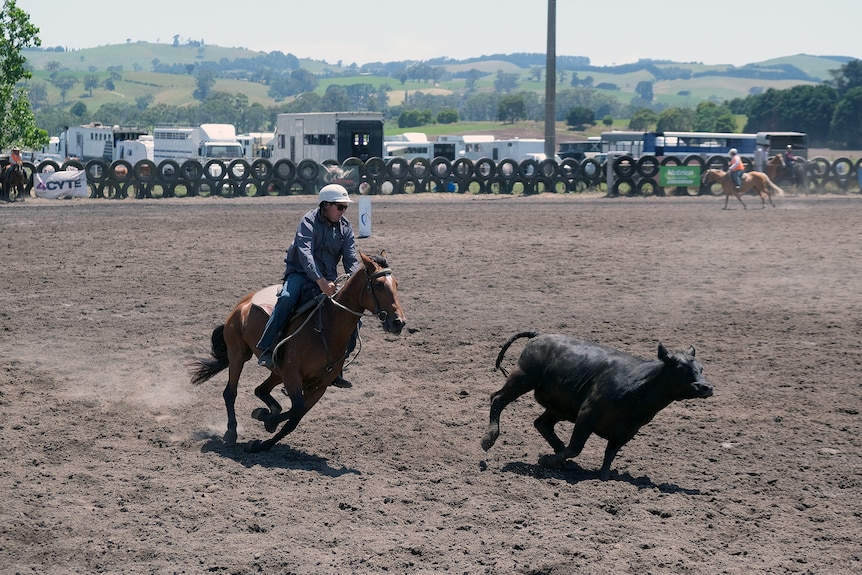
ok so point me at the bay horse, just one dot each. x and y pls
(778, 170)
(13, 178)
(757, 181)
(310, 357)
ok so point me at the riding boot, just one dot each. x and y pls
(339, 381)
(272, 332)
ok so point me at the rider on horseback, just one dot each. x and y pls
(15, 157)
(736, 168)
(790, 163)
(16, 165)
(322, 238)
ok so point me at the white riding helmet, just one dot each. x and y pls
(334, 193)
(733, 151)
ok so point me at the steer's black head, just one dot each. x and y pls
(685, 374)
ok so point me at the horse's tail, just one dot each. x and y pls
(203, 368)
(529, 334)
(773, 185)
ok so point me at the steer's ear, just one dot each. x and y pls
(691, 351)
(662, 352)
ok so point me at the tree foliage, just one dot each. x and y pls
(512, 108)
(415, 118)
(712, 117)
(846, 126)
(204, 82)
(675, 120)
(17, 123)
(580, 117)
(829, 112)
(506, 82)
(644, 90)
(642, 119)
(447, 116)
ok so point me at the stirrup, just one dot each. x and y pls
(339, 381)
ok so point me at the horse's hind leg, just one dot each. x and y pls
(229, 394)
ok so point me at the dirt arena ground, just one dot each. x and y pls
(114, 463)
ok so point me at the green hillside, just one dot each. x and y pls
(132, 65)
(133, 56)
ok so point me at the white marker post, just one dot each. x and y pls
(364, 217)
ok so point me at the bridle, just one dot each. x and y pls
(369, 285)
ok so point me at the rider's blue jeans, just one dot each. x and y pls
(284, 305)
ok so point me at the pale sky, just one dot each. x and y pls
(611, 32)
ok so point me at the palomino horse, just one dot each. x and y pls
(777, 171)
(308, 359)
(13, 179)
(757, 181)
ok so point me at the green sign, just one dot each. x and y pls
(687, 176)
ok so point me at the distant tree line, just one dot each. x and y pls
(829, 112)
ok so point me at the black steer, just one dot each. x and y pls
(602, 390)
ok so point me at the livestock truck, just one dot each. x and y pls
(202, 143)
(97, 141)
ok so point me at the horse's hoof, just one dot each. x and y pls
(260, 414)
(230, 437)
(271, 423)
(255, 446)
(552, 461)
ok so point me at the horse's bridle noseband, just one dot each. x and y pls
(381, 314)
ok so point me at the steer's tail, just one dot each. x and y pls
(529, 334)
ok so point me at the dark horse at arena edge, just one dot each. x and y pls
(310, 356)
(13, 183)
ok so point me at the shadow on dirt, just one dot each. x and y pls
(573, 473)
(279, 457)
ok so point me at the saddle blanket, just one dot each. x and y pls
(265, 298)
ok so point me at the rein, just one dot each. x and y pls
(381, 315)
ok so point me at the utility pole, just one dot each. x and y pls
(551, 82)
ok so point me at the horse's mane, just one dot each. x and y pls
(379, 260)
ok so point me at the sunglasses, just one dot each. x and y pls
(340, 207)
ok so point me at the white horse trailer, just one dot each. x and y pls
(328, 136)
(95, 141)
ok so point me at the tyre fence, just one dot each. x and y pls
(239, 178)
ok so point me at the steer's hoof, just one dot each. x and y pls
(488, 441)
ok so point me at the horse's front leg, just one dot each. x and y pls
(273, 408)
(301, 403)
